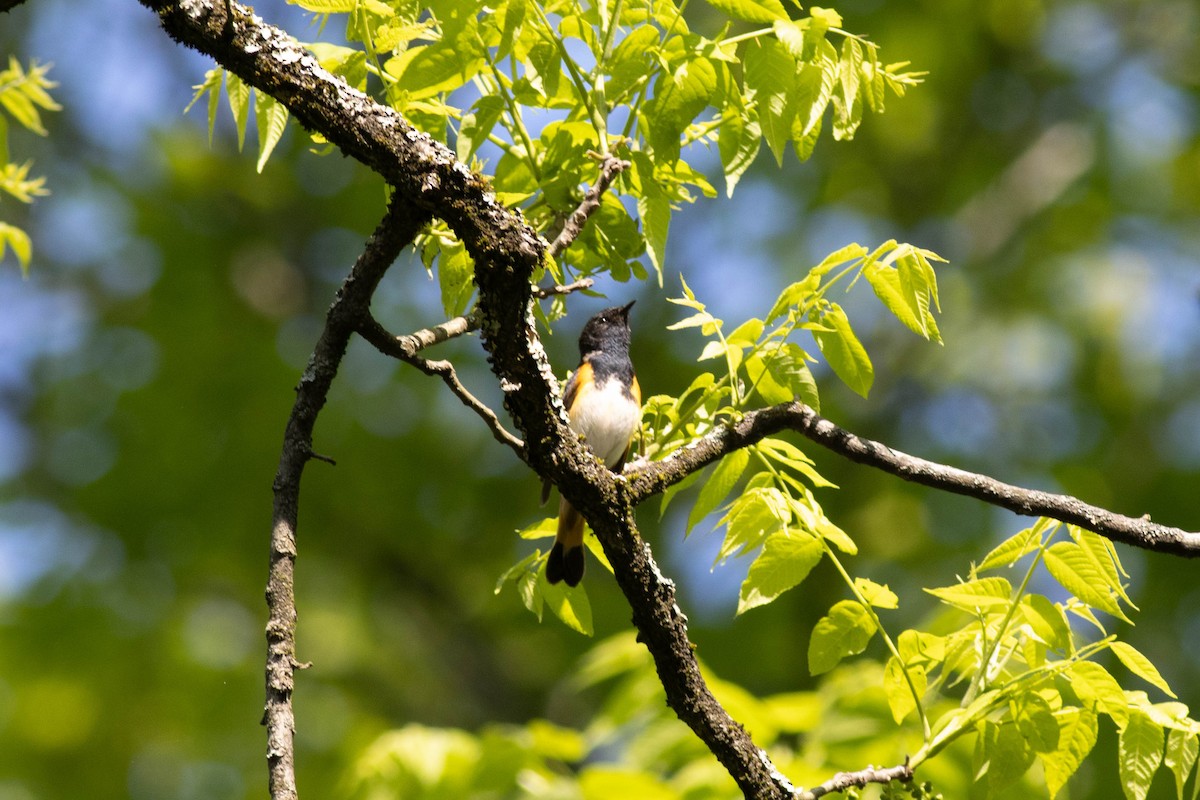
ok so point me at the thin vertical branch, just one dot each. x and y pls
(397, 229)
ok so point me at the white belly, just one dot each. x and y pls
(606, 417)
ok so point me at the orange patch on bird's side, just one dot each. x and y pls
(580, 384)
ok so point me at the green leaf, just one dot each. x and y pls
(1141, 666)
(477, 124)
(541, 529)
(326, 6)
(785, 561)
(1080, 575)
(751, 10)
(877, 595)
(755, 515)
(18, 240)
(239, 103)
(1002, 755)
(1139, 754)
(455, 276)
(721, 480)
(1076, 736)
(517, 570)
(630, 62)
(1098, 689)
(843, 351)
(1104, 556)
(975, 595)
(1182, 749)
(1012, 549)
(738, 140)
(781, 374)
(810, 97)
(788, 455)
(769, 75)
(679, 98)
(845, 631)
(569, 603)
(428, 70)
(1035, 720)
(885, 282)
(1047, 622)
(654, 208)
(271, 118)
(901, 700)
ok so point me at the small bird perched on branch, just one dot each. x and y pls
(604, 404)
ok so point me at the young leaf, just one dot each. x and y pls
(239, 103)
(768, 75)
(271, 118)
(1047, 622)
(1076, 737)
(1141, 666)
(896, 686)
(877, 595)
(975, 595)
(1182, 749)
(843, 351)
(19, 241)
(455, 275)
(1080, 575)
(751, 10)
(720, 483)
(845, 631)
(755, 515)
(785, 561)
(738, 140)
(1002, 754)
(1012, 549)
(679, 98)
(1034, 718)
(569, 603)
(1098, 689)
(1139, 754)
(654, 208)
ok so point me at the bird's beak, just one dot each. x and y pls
(625, 309)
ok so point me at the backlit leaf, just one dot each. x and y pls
(844, 352)
(785, 561)
(845, 631)
(1139, 754)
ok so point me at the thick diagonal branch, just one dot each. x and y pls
(1136, 531)
(506, 252)
(396, 230)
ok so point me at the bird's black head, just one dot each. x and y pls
(607, 330)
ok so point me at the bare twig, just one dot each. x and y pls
(610, 168)
(549, 291)
(1136, 531)
(405, 348)
(858, 779)
(396, 230)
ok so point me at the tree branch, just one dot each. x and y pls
(1139, 532)
(506, 252)
(400, 225)
(405, 348)
(610, 168)
(859, 779)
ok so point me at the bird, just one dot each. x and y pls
(604, 405)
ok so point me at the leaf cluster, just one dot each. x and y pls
(533, 94)
(24, 94)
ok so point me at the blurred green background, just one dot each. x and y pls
(147, 366)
